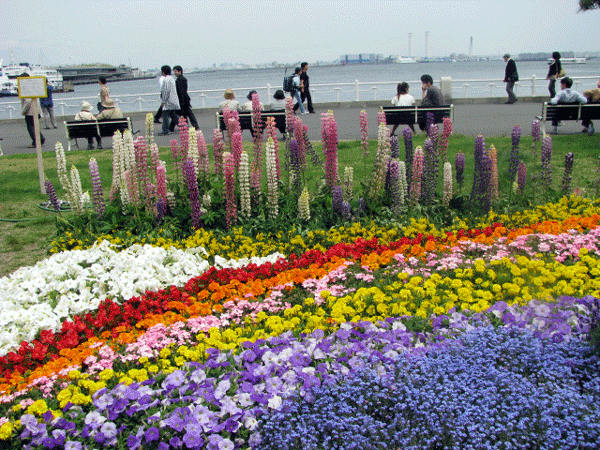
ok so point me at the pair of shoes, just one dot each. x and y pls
(90, 147)
(509, 103)
(312, 112)
(162, 133)
(591, 129)
(55, 127)
(47, 128)
(157, 121)
(31, 146)
(305, 112)
(100, 147)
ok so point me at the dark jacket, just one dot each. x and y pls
(510, 73)
(433, 97)
(182, 92)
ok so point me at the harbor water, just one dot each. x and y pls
(470, 79)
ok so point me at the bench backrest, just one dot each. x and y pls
(86, 128)
(399, 115)
(590, 111)
(246, 120)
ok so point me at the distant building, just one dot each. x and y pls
(363, 58)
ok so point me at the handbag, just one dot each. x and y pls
(562, 73)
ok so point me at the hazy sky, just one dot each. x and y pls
(198, 33)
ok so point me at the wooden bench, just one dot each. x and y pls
(246, 122)
(411, 115)
(563, 112)
(92, 128)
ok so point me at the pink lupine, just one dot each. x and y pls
(189, 175)
(446, 132)
(161, 188)
(331, 149)
(417, 173)
(364, 133)
(381, 117)
(299, 135)
(521, 177)
(229, 170)
(218, 147)
(257, 127)
(236, 148)
(272, 133)
(272, 181)
(289, 114)
(203, 162)
(184, 137)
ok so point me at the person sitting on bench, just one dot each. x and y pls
(84, 115)
(110, 111)
(593, 96)
(566, 96)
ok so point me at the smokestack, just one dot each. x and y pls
(409, 39)
(427, 44)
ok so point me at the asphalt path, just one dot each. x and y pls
(470, 119)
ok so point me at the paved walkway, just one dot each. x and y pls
(488, 119)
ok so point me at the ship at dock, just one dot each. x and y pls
(89, 73)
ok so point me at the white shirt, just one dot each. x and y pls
(404, 100)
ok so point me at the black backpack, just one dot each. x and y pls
(288, 84)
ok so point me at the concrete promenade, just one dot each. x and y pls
(489, 117)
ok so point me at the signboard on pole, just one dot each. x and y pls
(35, 88)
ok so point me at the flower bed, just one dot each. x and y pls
(210, 363)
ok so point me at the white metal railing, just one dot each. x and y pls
(333, 92)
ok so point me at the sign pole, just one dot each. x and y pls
(35, 88)
(38, 146)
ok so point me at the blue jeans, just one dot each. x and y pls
(167, 116)
(299, 100)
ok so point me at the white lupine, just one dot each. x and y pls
(304, 205)
(244, 175)
(193, 148)
(77, 190)
(348, 183)
(117, 167)
(402, 188)
(35, 298)
(447, 196)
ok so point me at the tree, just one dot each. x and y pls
(586, 5)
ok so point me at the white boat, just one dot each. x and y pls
(54, 77)
(7, 86)
(569, 60)
(405, 60)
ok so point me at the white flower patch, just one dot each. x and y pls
(72, 282)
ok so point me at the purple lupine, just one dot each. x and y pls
(364, 133)
(99, 205)
(407, 134)
(52, 195)
(521, 177)
(229, 172)
(568, 175)
(546, 173)
(337, 199)
(430, 170)
(536, 130)
(298, 134)
(513, 162)
(394, 147)
(478, 155)
(141, 160)
(218, 147)
(459, 166)
(393, 184)
(430, 121)
(189, 174)
(346, 211)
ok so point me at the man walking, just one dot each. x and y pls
(169, 100)
(184, 99)
(510, 77)
(304, 89)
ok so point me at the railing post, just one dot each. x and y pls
(337, 93)
(268, 93)
(139, 100)
(533, 85)
(203, 100)
(356, 92)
